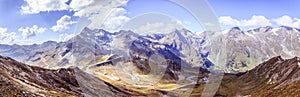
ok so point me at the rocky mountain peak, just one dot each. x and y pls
(263, 29)
(286, 27)
(235, 32)
(235, 28)
(95, 32)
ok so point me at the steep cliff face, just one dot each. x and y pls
(22, 80)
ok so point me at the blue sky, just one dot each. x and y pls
(23, 22)
(244, 9)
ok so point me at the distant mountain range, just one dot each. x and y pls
(242, 50)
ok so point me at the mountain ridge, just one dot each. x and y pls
(243, 49)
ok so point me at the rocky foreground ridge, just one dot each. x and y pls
(275, 77)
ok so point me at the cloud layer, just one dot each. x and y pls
(288, 21)
(260, 21)
(28, 32)
(254, 21)
(102, 13)
(37, 6)
(63, 24)
(161, 27)
(6, 37)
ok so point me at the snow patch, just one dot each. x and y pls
(225, 31)
(295, 30)
(286, 51)
(275, 30)
(249, 34)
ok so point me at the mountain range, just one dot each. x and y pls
(180, 63)
(241, 50)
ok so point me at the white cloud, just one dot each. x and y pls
(64, 37)
(77, 5)
(254, 21)
(28, 32)
(158, 27)
(228, 20)
(284, 20)
(116, 19)
(153, 23)
(101, 13)
(62, 24)
(7, 38)
(296, 23)
(107, 14)
(287, 21)
(96, 7)
(37, 6)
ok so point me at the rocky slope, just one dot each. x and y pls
(291, 90)
(18, 79)
(134, 77)
(273, 75)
